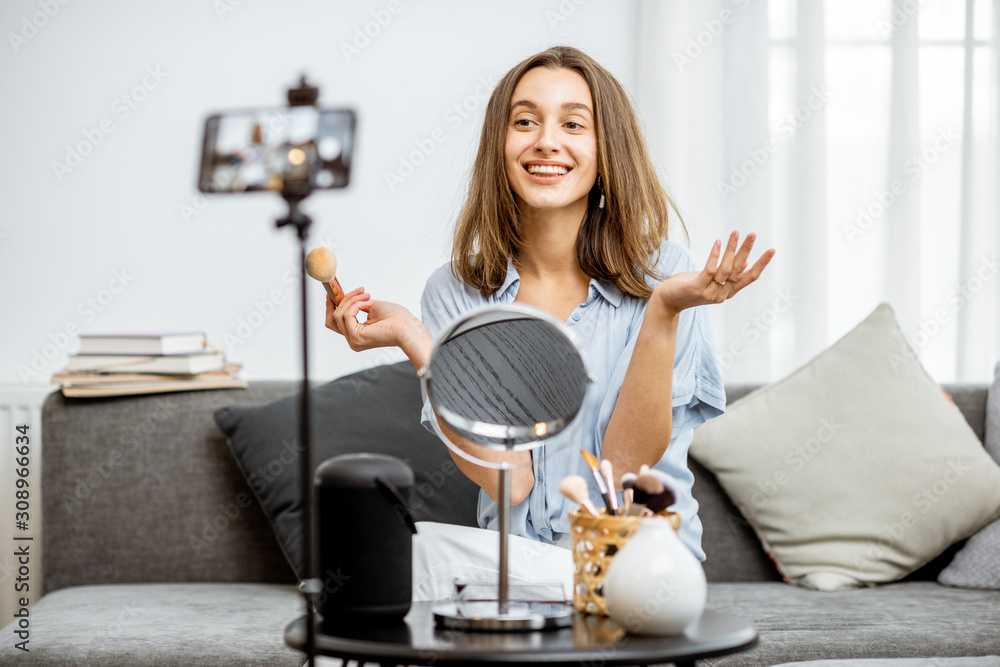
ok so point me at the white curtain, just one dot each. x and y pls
(858, 138)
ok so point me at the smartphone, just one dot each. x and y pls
(287, 149)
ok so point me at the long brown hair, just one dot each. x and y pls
(617, 243)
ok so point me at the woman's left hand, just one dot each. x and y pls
(718, 281)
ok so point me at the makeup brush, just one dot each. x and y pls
(627, 480)
(574, 487)
(609, 478)
(601, 485)
(652, 493)
(665, 479)
(644, 487)
(321, 264)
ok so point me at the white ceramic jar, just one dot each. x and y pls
(655, 585)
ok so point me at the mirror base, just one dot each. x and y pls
(485, 615)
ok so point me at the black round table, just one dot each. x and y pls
(591, 639)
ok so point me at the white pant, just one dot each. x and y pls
(444, 553)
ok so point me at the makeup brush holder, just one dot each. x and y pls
(364, 537)
(596, 540)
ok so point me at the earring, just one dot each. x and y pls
(600, 184)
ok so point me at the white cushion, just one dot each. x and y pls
(855, 469)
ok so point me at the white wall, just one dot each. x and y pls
(126, 229)
(65, 239)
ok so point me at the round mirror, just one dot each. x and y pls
(505, 378)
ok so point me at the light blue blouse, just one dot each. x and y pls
(605, 326)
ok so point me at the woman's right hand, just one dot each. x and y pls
(388, 325)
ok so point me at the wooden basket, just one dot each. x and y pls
(595, 542)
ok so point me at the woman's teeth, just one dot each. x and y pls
(547, 169)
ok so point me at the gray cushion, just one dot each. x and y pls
(977, 565)
(161, 624)
(378, 411)
(900, 620)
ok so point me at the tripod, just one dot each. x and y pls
(294, 193)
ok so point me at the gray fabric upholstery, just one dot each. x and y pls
(196, 624)
(975, 661)
(978, 564)
(173, 469)
(130, 484)
(175, 465)
(170, 625)
(901, 620)
(971, 400)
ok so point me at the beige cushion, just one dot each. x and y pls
(855, 469)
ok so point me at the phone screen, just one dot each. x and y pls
(289, 148)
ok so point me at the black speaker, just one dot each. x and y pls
(364, 539)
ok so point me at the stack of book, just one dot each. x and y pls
(119, 365)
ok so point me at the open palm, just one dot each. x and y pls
(718, 281)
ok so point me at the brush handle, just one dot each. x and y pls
(609, 479)
(635, 509)
(335, 291)
(589, 506)
(605, 493)
(594, 466)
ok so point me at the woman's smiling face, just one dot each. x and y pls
(551, 145)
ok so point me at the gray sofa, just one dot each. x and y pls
(156, 553)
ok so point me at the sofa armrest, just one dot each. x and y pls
(145, 489)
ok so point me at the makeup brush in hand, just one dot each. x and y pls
(574, 487)
(321, 264)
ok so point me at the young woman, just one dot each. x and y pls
(565, 213)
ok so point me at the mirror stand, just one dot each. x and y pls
(503, 615)
(503, 589)
(508, 378)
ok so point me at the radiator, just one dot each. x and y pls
(20, 405)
